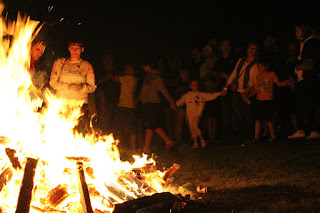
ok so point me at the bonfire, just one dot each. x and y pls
(47, 166)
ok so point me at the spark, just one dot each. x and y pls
(50, 8)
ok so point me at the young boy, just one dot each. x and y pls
(125, 120)
(264, 106)
(73, 79)
(195, 101)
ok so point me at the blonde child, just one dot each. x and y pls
(195, 101)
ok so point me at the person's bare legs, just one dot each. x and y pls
(147, 141)
(195, 142)
(271, 129)
(133, 139)
(257, 127)
(163, 135)
(202, 141)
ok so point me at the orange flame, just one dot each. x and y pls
(47, 135)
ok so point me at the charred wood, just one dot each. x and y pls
(13, 159)
(119, 194)
(148, 168)
(170, 171)
(79, 159)
(25, 194)
(47, 210)
(5, 177)
(57, 195)
(162, 202)
(83, 189)
(142, 186)
(157, 208)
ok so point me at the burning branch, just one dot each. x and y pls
(83, 189)
(13, 159)
(169, 173)
(5, 177)
(25, 194)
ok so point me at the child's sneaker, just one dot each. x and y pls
(203, 143)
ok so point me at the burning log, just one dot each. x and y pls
(169, 172)
(57, 195)
(5, 177)
(79, 159)
(47, 210)
(148, 168)
(13, 159)
(25, 194)
(118, 194)
(89, 171)
(130, 192)
(161, 202)
(83, 189)
(141, 185)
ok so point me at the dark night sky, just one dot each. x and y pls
(135, 29)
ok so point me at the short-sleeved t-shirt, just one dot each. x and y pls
(264, 85)
(128, 87)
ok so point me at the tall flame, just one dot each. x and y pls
(48, 135)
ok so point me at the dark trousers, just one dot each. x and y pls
(226, 114)
(243, 113)
(306, 98)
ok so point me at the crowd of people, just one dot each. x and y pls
(222, 91)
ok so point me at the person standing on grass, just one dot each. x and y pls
(209, 83)
(306, 88)
(125, 121)
(195, 101)
(243, 77)
(108, 92)
(180, 115)
(151, 108)
(264, 105)
(223, 68)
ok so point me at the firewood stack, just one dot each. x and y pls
(130, 186)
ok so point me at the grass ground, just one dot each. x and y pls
(282, 176)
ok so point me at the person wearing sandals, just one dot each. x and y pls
(195, 101)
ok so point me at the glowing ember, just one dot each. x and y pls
(47, 135)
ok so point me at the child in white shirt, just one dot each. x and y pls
(195, 101)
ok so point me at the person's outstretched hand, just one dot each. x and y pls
(223, 93)
(173, 106)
